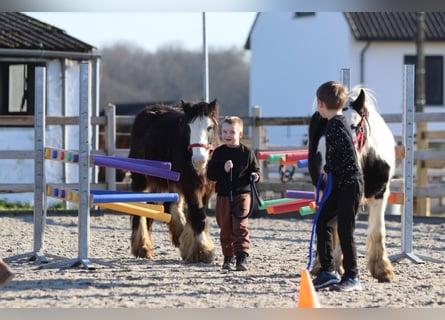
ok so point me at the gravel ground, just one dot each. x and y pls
(279, 253)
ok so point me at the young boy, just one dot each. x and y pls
(346, 193)
(233, 165)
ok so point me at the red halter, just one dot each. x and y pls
(210, 146)
(360, 133)
(200, 145)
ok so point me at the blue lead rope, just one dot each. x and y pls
(319, 203)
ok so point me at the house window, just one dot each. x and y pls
(17, 88)
(304, 14)
(433, 78)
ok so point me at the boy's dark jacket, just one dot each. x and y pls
(244, 164)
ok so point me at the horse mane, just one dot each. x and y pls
(200, 109)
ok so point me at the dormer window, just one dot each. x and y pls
(304, 14)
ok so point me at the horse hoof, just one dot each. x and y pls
(143, 253)
(384, 280)
(200, 257)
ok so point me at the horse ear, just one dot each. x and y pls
(214, 107)
(185, 105)
(359, 103)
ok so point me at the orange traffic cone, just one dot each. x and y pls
(308, 297)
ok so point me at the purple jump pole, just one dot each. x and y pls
(134, 197)
(152, 163)
(300, 194)
(135, 167)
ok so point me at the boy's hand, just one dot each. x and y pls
(255, 176)
(228, 165)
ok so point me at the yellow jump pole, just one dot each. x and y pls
(140, 209)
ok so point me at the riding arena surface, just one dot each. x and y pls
(279, 252)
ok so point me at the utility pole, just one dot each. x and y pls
(205, 61)
(423, 205)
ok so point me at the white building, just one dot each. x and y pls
(292, 53)
(27, 43)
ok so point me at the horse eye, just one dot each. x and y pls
(209, 128)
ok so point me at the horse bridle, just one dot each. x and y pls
(209, 146)
(360, 136)
(201, 145)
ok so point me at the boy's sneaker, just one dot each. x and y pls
(229, 263)
(348, 284)
(241, 261)
(325, 279)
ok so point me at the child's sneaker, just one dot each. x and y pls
(241, 261)
(348, 284)
(229, 263)
(6, 273)
(325, 279)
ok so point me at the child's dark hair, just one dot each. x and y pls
(333, 94)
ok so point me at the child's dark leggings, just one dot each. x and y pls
(342, 203)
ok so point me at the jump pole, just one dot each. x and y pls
(140, 209)
(107, 196)
(149, 167)
(408, 138)
(264, 155)
(126, 202)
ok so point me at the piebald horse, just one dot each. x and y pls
(375, 149)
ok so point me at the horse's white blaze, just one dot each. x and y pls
(200, 135)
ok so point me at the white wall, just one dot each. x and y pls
(383, 73)
(22, 170)
(290, 58)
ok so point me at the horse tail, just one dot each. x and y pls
(317, 126)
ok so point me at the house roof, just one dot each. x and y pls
(247, 44)
(19, 31)
(394, 26)
(388, 26)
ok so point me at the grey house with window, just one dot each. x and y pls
(26, 43)
(293, 53)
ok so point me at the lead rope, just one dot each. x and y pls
(253, 193)
(326, 193)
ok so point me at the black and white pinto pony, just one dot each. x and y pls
(375, 149)
(185, 136)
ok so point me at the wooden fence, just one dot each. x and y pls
(114, 137)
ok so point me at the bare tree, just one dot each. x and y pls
(131, 74)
